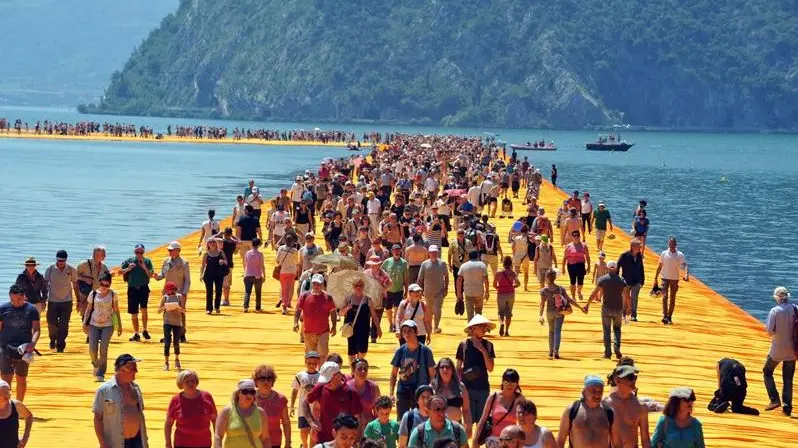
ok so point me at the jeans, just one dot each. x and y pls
(170, 332)
(249, 282)
(58, 314)
(614, 319)
(634, 292)
(99, 338)
(787, 373)
(477, 399)
(213, 299)
(555, 331)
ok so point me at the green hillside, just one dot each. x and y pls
(565, 63)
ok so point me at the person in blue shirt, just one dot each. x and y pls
(677, 428)
(640, 227)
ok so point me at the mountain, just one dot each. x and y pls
(61, 52)
(699, 64)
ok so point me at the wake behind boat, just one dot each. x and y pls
(611, 142)
(534, 146)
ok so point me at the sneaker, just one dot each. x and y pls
(226, 303)
(177, 365)
(787, 411)
(258, 310)
(99, 379)
(208, 313)
(618, 354)
(393, 328)
(773, 405)
(634, 319)
(59, 350)
(665, 320)
(670, 321)
(285, 311)
(607, 356)
(166, 367)
(218, 311)
(146, 335)
(506, 333)
(246, 310)
(501, 330)
(135, 338)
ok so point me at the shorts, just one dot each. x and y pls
(302, 423)
(521, 262)
(505, 302)
(576, 272)
(492, 261)
(600, 234)
(492, 200)
(228, 280)
(392, 299)
(9, 365)
(318, 343)
(541, 274)
(640, 234)
(137, 298)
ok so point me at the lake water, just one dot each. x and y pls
(725, 196)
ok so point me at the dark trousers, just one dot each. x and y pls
(134, 442)
(249, 282)
(171, 333)
(787, 373)
(58, 314)
(213, 299)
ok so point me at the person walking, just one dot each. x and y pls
(505, 282)
(577, 259)
(290, 269)
(119, 408)
(413, 365)
(472, 282)
(413, 308)
(448, 385)
(192, 413)
(630, 267)
(555, 303)
(437, 427)
(208, 229)
(475, 360)
(11, 412)
(213, 269)
(630, 416)
(247, 229)
(19, 333)
(458, 254)
(62, 280)
(588, 422)
(33, 285)
(501, 409)
(274, 404)
(671, 263)
(319, 316)
(676, 427)
(367, 389)
(254, 274)
(601, 219)
(780, 326)
(609, 291)
(545, 259)
(229, 246)
(433, 277)
(398, 270)
(175, 269)
(102, 308)
(586, 207)
(137, 271)
(242, 423)
(535, 436)
(89, 273)
(334, 396)
(359, 313)
(173, 307)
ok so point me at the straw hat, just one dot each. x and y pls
(31, 261)
(374, 260)
(479, 319)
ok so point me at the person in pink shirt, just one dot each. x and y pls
(319, 316)
(192, 412)
(254, 273)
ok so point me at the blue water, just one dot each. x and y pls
(737, 234)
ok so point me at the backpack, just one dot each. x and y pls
(471, 235)
(422, 439)
(574, 410)
(490, 243)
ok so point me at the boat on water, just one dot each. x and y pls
(611, 142)
(534, 146)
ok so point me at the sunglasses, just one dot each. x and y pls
(250, 392)
(575, 234)
(445, 367)
(265, 378)
(105, 284)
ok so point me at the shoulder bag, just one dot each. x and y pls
(278, 267)
(470, 373)
(348, 328)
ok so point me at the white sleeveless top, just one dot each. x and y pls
(539, 443)
(418, 318)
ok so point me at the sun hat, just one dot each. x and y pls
(414, 288)
(781, 293)
(612, 265)
(682, 392)
(593, 380)
(623, 371)
(327, 371)
(174, 245)
(479, 319)
(433, 248)
(374, 260)
(31, 261)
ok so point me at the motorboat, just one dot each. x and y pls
(611, 142)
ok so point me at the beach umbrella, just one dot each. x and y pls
(333, 260)
(340, 286)
(455, 192)
(426, 145)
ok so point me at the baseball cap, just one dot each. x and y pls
(174, 245)
(781, 292)
(312, 354)
(61, 255)
(624, 370)
(396, 246)
(612, 265)
(317, 278)
(433, 248)
(138, 247)
(409, 323)
(245, 384)
(327, 371)
(414, 288)
(126, 358)
(683, 392)
(170, 286)
(602, 254)
(593, 380)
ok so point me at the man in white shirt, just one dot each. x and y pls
(297, 188)
(256, 201)
(374, 210)
(779, 326)
(208, 229)
(587, 215)
(671, 262)
(474, 194)
(277, 224)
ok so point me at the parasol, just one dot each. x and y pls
(339, 286)
(334, 260)
(455, 192)
(426, 145)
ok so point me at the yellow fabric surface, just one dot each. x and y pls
(225, 348)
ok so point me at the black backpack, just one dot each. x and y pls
(574, 410)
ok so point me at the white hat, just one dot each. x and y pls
(174, 245)
(255, 189)
(328, 371)
(433, 248)
(374, 260)
(612, 265)
(317, 278)
(479, 319)
(414, 288)
(246, 384)
(781, 293)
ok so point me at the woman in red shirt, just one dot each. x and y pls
(274, 403)
(194, 413)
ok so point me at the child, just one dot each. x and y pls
(173, 306)
(384, 429)
(600, 268)
(303, 383)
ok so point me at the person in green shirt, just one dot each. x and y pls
(137, 271)
(384, 429)
(437, 427)
(398, 270)
(601, 217)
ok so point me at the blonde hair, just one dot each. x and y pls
(184, 375)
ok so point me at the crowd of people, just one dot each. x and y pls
(382, 223)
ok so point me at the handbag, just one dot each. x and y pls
(562, 305)
(487, 428)
(83, 286)
(277, 268)
(472, 373)
(348, 328)
(225, 268)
